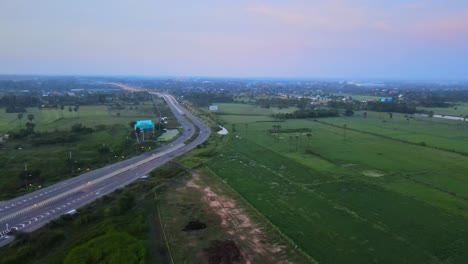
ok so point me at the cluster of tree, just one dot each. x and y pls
(308, 113)
(204, 99)
(53, 137)
(15, 109)
(434, 101)
(282, 102)
(16, 103)
(437, 98)
(397, 107)
(81, 129)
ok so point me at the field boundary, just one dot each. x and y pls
(162, 227)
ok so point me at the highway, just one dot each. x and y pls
(32, 211)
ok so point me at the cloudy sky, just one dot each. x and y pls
(288, 38)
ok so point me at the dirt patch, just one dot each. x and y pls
(373, 174)
(194, 225)
(252, 242)
(225, 252)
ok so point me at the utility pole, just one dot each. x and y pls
(71, 161)
(26, 174)
(344, 131)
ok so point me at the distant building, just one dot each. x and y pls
(145, 125)
(213, 108)
(386, 99)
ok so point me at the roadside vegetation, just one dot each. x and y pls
(118, 228)
(46, 146)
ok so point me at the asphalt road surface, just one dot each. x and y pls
(31, 211)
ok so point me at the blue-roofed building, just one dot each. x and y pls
(145, 125)
(386, 100)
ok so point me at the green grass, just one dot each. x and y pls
(457, 110)
(49, 163)
(109, 248)
(110, 230)
(361, 97)
(168, 135)
(50, 119)
(354, 196)
(436, 132)
(250, 110)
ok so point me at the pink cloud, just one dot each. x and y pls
(330, 16)
(445, 29)
(415, 6)
(384, 27)
(289, 17)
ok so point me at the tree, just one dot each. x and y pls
(70, 109)
(30, 117)
(364, 114)
(76, 108)
(297, 141)
(104, 150)
(137, 132)
(30, 126)
(20, 116)
(344, 131)
(349, 112)
(290, 142)
(308, 135)
(61, 108)
(132, 124)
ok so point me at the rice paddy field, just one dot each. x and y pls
(457, 110)
(367, 192)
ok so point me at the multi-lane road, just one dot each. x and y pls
(31, 211)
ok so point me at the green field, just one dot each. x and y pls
(112, 140)
(361, 97)
(436, 132)
(457, 110)
(51, 119)
(354, 195)
(250, 110)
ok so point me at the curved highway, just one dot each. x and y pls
(31, 211)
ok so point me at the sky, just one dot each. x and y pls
(290, 38)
